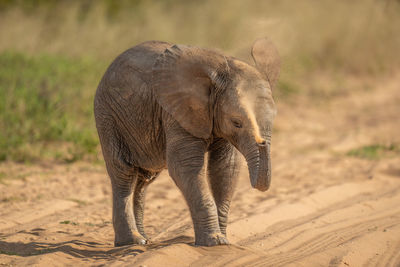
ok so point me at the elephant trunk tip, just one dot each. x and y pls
(258, 161)
(262, 188)
(261, 183)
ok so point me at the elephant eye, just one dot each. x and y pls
(237, 123)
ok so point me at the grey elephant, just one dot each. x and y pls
(164, 106)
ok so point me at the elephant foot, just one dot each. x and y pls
(214, 239)
(223, 231)
(135, 239)
(141, 231)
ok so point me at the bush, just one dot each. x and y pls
(46, 106)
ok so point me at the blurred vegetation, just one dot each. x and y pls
(375, 151)
(53, 54)
(46, 108)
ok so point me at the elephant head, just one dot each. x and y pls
(209, 94)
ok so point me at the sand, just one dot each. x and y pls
(324, 208)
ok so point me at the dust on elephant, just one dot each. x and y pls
(164, 106)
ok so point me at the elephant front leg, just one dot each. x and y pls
(185, 159)
(223, 169)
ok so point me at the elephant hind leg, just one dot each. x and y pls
(124, 223)
(123, 177)
(144, 179)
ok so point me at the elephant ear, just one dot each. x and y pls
(267, 60)
(182, 88)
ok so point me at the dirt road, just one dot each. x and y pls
(325, 207)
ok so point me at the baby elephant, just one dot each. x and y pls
(162, 106)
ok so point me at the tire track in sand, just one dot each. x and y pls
(370, 208)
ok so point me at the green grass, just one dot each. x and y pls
(46, 107)
(69, 222)
(9, 253)
(375, 151)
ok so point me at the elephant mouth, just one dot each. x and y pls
(259, 165)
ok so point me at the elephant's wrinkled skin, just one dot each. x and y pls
(164, 106)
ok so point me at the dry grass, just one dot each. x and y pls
(358, 36)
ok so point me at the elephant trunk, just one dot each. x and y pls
(259, 164)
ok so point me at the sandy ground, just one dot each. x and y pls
(324, 208)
